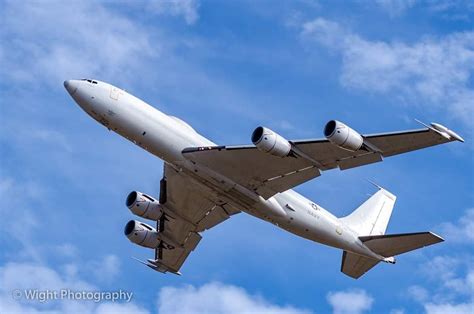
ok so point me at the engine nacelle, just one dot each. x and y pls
(144, 205)
(343, 136)
(270, 142)
(142, 234)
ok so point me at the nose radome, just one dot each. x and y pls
(71, 86)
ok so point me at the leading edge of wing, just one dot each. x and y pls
(394, 133)
(299, 141)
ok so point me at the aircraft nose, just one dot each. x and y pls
(71, 86)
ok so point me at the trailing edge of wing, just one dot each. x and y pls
(249, 167)
(267, 174)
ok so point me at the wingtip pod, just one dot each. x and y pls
(441, 128)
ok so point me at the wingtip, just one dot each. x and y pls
(442, 130)
(437, 236)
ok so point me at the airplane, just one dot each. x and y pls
(204, 183)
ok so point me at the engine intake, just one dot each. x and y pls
(142, 234)
(270, 142)
(343, 136)
(144, 205)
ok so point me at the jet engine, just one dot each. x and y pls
(144, 206)
(343, 136)
(142, 234)
(270, 142)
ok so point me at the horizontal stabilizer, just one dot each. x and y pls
(354, 265)
(394, 244)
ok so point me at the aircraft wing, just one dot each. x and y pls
(267, 174)
(190, 208)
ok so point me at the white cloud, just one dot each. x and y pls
(216, 298)
(54, 40)
(325, 32)
(186, 8)
(115, 308)
(23, 276)
(445, 9)
(451, 9)
(66, 249)
(454, 289)
(418, 293)
(395, 7)
(455, 273)
(209, 298)
(50, 41)
(434, 72)
(461, 308)
(36, 274)
(106, 268)
(47, 136)
(350, 301)
(462, 231)
(29, 275)
(15, 195)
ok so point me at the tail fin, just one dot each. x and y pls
(370, 221)
(372, 217)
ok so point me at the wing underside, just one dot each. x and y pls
(190, 208)
(267, 174)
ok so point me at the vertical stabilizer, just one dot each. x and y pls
(372, 217)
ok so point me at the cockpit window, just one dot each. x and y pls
(90, 81)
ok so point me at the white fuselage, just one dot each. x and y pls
(165, 137)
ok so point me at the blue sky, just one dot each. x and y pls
(226, 67)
